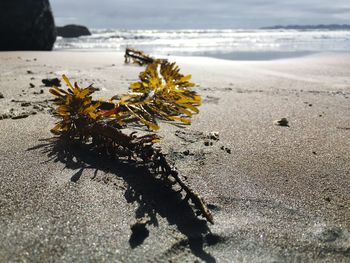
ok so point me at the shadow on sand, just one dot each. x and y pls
(151, 194)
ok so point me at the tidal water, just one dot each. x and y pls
(232, 44)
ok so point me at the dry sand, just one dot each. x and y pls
(278, 194)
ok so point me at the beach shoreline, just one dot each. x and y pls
(277, 193)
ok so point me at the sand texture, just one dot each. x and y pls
(277, 193)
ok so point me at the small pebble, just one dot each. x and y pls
(4, 116)
(21, 116)
(214, 136)
(31, 85)
(36, 107)
(29, 72)
(51, 82)
(187, 152)
(25, 104)
(282, 122)
(1, 96)
(208, 143)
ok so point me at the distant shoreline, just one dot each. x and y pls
(311, 27)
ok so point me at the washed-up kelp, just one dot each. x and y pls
(162, 93)
(137, 57)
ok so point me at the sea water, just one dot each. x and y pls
(258, 44)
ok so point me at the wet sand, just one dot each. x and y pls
(277, 193)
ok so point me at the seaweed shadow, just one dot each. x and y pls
(153, 196)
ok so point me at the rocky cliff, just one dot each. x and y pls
(26, 25)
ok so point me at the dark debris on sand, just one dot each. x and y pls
(51, 82)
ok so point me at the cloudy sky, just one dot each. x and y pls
(177, 14)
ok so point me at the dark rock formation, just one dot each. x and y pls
(26, 25)
(72, 31)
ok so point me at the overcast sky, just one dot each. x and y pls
(177, 14)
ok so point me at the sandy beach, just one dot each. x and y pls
(277, 194)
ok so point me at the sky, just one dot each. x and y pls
(198, 14)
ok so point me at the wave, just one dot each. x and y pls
(200, 41)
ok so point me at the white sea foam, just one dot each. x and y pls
(207, 42)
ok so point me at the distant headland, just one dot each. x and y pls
(311, 27)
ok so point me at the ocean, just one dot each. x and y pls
(235, 44)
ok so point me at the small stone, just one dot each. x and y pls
(187, 152)
(29, 72)
(310, 105)
(228, 150)
(1, 96)
(21, 116)
(51, 82)
(328, 199)
(208, 143)
(315, 153)
(31, 85)
(4, 116)
(282, 122)
(214, 136)
(36, 107)
(25, 104)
